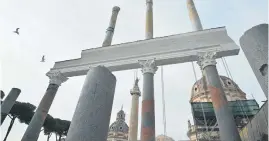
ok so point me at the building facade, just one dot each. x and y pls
(199, 93)
(164, 138)
(118, 130)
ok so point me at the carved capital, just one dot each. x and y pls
(56, 77)
(148, 66)
(206, 59)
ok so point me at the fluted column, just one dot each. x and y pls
(91, 118)
(148, 111)
(9, 102)
(149, 19)
(110, 30)
(133, 124)
(225, 119)
(194, 17)
(33, 129)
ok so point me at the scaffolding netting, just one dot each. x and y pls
(240, 110)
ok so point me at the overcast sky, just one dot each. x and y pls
(60, 29)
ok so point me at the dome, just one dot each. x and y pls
(119, 125)
(231, 89)
(164, 138)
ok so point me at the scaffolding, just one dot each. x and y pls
(205, 122)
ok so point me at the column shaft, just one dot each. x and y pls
(194, 17)
(148, 111)
(110, 30)
(227, 127)
(91, 119)
(254, 43)
(37, 121)
(133, 124)
(149, 20)
(9, 102)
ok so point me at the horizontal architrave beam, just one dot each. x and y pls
(167, 50)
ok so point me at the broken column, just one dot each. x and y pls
(9, 102)
(91, 118)
(254, 44)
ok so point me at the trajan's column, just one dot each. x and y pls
(91, 118)
(148, 70)
(207, 63)
(133, 124)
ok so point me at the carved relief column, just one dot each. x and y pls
(91, 118)
(148, 111)
(225, 119)
(33, 129)
(133, 124)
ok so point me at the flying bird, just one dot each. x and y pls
(43, 58)
(17, 31)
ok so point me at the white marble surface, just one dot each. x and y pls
(172, 49)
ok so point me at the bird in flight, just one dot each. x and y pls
(17, 31)
(43, 58)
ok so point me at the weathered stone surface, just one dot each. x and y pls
(91, 119)
(254, 44)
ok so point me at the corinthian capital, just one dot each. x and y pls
(148, 66)
(206, 59)
(56, 77)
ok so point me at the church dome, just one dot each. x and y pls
(164, 138)
(119, 125)
(231, 89)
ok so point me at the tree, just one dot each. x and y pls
(25, 111)
(20, 110)
(48, 126)
(61, 127)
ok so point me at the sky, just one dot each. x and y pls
(61, 29)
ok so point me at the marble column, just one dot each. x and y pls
(149, 19)
(228, 130)
(254, 44)
(133, 124)
(9, 102)
(194, 17)
(33, 129)
(91, 118)
(111, 27)
(148, 111)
